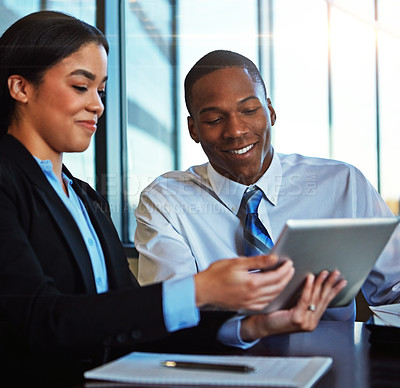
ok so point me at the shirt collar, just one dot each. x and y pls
(231, 192)
(47, 168)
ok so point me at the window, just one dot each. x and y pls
(150, 87)
(352, 39)
(388, 15)
(300, 77)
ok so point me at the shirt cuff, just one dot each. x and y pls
(229, 334)
(179, 304)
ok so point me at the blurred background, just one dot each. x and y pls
(331, 67)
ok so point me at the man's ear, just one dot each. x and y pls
(18, 88)
(272, 113)
(192, 129)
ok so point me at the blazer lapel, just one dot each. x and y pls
(72, 235)
(114, 254)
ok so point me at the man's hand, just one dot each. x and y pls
(229, 283)
(315, 298)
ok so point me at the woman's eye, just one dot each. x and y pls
(80, 88)
(102, 93)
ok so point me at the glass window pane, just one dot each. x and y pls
(359, 9)
(300, 94)
(389, 112)
(150, 104)
(12, 10)
(82, 9)
(354, 91)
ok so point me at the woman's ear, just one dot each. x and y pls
(18, 88)
(192, 129)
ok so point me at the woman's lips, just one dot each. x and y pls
(91, 125)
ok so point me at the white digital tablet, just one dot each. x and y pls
(351, 245)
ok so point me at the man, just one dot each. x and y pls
(186, 220)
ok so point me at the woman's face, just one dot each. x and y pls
(61, 113)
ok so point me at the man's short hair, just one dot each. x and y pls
(216, 60)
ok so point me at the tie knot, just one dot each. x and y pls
(251, 199)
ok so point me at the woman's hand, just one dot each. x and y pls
(315, 298)
(236, 284)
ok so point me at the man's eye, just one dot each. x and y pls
(212, 122)
(250, 111)
(102, 93)
(80, 88)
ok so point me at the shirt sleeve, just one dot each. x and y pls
(156, 236)
(179, 305)
(229, 334)
(180, 312)
(383, 283)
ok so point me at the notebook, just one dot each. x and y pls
(147, 368)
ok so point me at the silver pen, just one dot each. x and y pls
(208, 366)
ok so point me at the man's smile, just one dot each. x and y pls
(241, 150)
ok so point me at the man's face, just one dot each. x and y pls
(232, 121)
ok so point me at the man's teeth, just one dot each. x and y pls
(242, 151)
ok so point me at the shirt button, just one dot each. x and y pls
(99, 282)
(91, 242)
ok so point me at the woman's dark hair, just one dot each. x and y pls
(217, 60)
(36, 43)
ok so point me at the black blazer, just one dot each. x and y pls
(51, 319)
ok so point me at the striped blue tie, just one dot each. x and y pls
(256, 238)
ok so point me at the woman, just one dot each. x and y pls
(68, 300)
